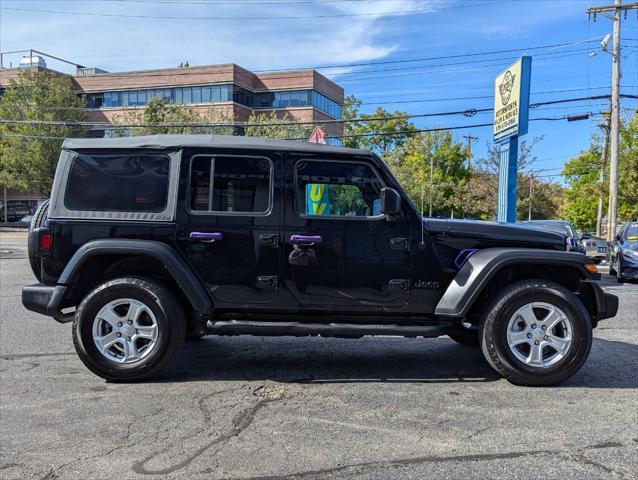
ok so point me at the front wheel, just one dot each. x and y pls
(128, 329)
(536, 333)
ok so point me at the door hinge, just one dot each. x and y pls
(399, 283)
(268, 281)
(399, 243)
(269, 240)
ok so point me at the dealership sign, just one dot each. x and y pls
(511, 100)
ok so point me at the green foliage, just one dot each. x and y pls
(582, 175)
(397, 130)
(437, 153)
(628, 171)
(160, 117)
(481, 196)
(28, 158)
(581, 198)
(271, 125)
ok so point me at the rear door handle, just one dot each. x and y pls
(206, 237)
(305, 239)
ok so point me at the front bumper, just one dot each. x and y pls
(628, 267)
(606, 304)
(46, 300)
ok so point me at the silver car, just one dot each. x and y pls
(595, 248)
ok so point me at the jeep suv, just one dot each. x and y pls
(147, 241)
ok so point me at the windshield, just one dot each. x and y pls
(554, 227)
(631, 233)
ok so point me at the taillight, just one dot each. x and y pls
(42, 241)
(45, 242)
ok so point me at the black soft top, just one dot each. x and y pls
(215, 141)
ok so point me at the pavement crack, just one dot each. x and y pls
(241, 421)
(366, 467)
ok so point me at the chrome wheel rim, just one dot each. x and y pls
(125, 330)
(539, 334)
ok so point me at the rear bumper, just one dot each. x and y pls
(45, 299)
(606, 303)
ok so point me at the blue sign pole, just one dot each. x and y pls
(507, 180)
(510, 121)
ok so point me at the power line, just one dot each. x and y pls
(470, 112)
(424, 59)
(287, 17)
(358, 135)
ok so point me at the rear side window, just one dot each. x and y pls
(225, 184)
(118, 183)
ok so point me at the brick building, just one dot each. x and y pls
(230, 90)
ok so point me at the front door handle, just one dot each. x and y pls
(305, 239)
(269, 240)
(206, 237)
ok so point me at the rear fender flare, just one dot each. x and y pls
(176, 267)
(483, 265)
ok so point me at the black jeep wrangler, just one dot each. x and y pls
(149, 240)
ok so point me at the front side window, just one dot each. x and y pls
(230, 184)
(118, 183)
(337, 189)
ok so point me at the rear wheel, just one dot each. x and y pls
(598, 261)
(536, 333)
(37, 221)
(128, 329)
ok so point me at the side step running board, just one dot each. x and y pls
(240, 327)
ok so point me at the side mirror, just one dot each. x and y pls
(390, 202)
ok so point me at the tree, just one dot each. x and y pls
(481, 195)
(160, 117)
(394, 128)
(582, 175)
(581, 197)
(628, 167)
(271, 125)
(447, 158)
(29, 152)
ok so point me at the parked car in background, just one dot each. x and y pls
(560, 226)
(26, 219)
(595, 247)
(623, 258)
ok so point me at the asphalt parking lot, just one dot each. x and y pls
(308, 408)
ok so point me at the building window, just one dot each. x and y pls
(216, 94)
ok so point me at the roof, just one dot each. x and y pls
(217, 141)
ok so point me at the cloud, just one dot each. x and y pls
(131, 44)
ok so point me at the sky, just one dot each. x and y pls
(426, 56)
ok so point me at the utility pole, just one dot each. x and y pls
(529, 211)
(614, 130)
(431, 182)
(601, 178)
(468, 139)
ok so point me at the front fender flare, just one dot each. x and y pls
(181, 273)
(481, 267)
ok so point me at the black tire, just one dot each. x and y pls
(465, 337)
(171, 329)
(620, 278)
(598, 261)
(493, 333)
(36, 222)
(612, 270)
